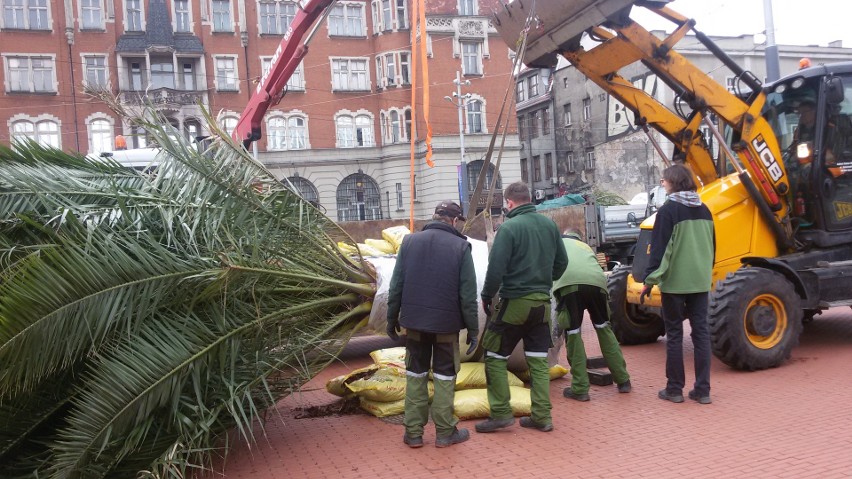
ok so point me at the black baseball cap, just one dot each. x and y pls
(451, 209)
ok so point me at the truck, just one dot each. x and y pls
(781, 200)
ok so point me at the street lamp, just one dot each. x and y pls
(460, 104)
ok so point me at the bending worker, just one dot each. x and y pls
(526, 257)
(583, 288)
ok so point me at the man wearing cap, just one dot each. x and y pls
(433, 295)
(527, 256)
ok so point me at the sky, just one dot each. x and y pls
(797, 22)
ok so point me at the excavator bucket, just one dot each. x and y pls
(555, 25)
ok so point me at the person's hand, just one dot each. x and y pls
(486, 306)
(646, 291)
(472, 341)
(393, 329)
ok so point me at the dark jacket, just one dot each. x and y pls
(682, 247)
(527, 255)
(433, 287)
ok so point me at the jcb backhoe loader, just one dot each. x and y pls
(781, 194)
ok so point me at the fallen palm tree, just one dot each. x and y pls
(145, 315)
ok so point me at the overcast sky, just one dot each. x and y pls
(797, 22)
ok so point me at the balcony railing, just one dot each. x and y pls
(163, 97)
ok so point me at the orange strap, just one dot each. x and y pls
(422, 18)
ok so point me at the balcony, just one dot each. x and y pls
(164, 98)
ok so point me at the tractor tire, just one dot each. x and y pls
(630, 324)
(755, 319)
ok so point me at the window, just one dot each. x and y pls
(534, 120)
(587, 109)
(570, 163)
(520, 92)
(566, 114)
(297, 79)
(138, 137)
(30, 75)
(228, 123)
(138, 80)
(349, 74)
(286, 133)
(162, 72)
(188, 75)
(474, 169)
(532, 86)
(304, 188)
(398, 196)
(389, 15)
(536, 168)
(468, 7)
(133, 10)
(275, 16)
(91, 16)
(26, 15)
(525, 177)
(354, 131)
(44, 132)
(548, 165)
(191, 129)
(358, 198)
(590, 160)
(222, 16)
(396, 125)
(475, 113)
(182, 16)
(96, 72)
(346, 20)
(392, 69)
(226, 74)
(545, 121)
(100, 135)
(522, 130)
(471, 59)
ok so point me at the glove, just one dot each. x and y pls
(472, 340)
(646, 291)
(486, 306)
(393, 330)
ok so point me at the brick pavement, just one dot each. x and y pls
(792, 421)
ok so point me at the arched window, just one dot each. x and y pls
(473, 169)
(358, 198)
(191, 129)
(396, 125)
(100, 135)
(44, 132)
(395, 131)
(475, 116)
(228, 123)
(296, 131)
(354, 131)
(276, 134)
(304, 188)
(408, 123)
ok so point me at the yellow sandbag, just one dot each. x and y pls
(382, 409)
(394, 357)
(472, 376)
(394, 235)
(346, 248)
(473, 403)
(337, 386)
(367, 250)
(387, 384)
(555, 372)
(381, 245)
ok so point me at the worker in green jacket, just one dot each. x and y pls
(582, 287)
(526, 257)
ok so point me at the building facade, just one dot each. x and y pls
(594, 137)
(341, 134)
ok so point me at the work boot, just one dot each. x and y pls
(458, 436)
(625, 387)
(491, 424)
(412, 441)
(700, 399)
(582, 397)
(528, 422)
(667, 396)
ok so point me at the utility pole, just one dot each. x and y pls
(773, 70)
(460, 101)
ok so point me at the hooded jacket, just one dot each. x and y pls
(683, 246)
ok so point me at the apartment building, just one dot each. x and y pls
(341, 135)
(594, 139)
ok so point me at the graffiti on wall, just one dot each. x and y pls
(619, 119)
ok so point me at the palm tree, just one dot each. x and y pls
(143, 316)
